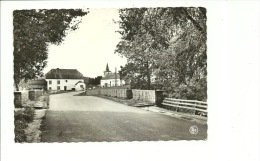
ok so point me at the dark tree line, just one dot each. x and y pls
(95, 81)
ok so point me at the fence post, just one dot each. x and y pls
(129, 94)
(159, 97)
(17, 99)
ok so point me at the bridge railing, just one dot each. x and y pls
(188, 106)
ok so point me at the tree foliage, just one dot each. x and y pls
(169, 43)
(135, 73)
(95, 81)
(33, 31)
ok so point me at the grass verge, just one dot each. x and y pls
(21, 119)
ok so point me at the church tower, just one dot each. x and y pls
(107, 71)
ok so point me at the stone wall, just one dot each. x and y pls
(37, 87)
(93, 92)
(33, 95)
(17, 99)
(20, 97)
(121, 93)
(144, 95)
(124, 93)
(118, 87)
(25, 96)
(151, 96)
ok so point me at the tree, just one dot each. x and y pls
(95, 81)
(135, 43)
(132, 72)
(168, 42)
(33, 31)
(184, 63)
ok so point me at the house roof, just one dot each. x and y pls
(37, 82)
(63, 74)
(111, 76)
(78, 82)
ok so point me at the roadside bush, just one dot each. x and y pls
(21, 120)
(19, 131)
(193, 91)
(27, 114)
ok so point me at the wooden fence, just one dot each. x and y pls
(191, 106)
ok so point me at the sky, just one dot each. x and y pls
(89, 48)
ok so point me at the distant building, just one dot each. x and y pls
(111, 79)
(65, 79)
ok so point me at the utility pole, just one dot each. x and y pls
(115, 77)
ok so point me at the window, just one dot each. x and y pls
(50, 82)
(66, 80)
(58, 87)
(58, 82)
(49, 88)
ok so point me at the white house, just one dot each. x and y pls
(111, 79)
(65, 79)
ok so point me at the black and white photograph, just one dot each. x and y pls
(128, 74)
(156, 80)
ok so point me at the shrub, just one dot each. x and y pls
(26, 115)
(21, 120)
(192, 91)
(19, 131)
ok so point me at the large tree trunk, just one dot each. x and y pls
(16, 86)
(16, 82)
(17, 75)
(148, 76)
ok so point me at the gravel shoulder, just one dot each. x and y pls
(33, 131)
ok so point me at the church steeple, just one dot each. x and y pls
(107, 71)
(107, 68)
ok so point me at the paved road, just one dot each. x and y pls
(88, 118)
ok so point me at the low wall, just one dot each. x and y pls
(21, 97)
(93, 92)
(144, 95)
(118, 87)
(33, 95)
(124, 93)
(121, 93)
(17, 99)
(152, 96)
(25, 96)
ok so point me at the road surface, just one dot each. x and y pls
(93, 119)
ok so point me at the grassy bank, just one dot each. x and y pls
(27, 120)
(22, 118)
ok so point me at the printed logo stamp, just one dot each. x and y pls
(194, 129)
